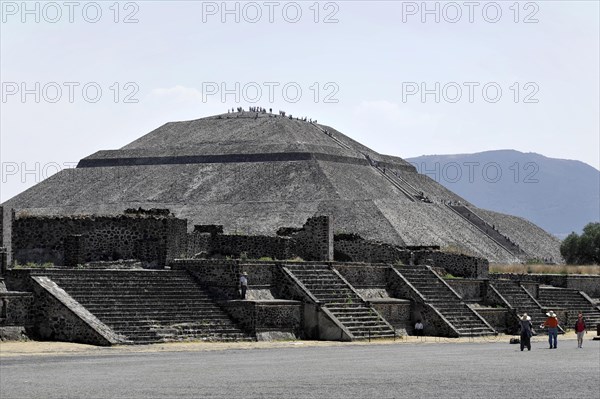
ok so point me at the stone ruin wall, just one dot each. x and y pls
(312, 242)
(363, 276)
(458, 265)
(355, 249)
(154, 239)
(234, 246)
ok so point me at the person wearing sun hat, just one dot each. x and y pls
(552, 324)
(525, 323)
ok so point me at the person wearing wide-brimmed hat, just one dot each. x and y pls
(552, 324)
(526, 331)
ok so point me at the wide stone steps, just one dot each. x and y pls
(356, 316)
(462, 318)
(346, 310)
(133, 289)
(125, 292)
(169, 316)
(363, 324)
(487, 229)
(335, 295)
(182, 329)
(573, 301)
(358, 311)
(453, 306)
(327, 290)
(143, 307)
(121, 280)
(148, 306)
(518, 298)
(325, 282)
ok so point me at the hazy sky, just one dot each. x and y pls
(404, 78)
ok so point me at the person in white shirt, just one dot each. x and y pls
(419, 328)
(243, 285)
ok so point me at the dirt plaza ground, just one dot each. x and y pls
(414, 367)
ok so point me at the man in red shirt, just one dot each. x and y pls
(552, 324)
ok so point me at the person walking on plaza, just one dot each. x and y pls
(525, 323)
(243, 285)
(552, 324)
(580, 329)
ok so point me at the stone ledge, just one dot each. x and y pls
(263, 301)
(388, 300)
(14, 294)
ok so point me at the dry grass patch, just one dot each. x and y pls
(543, 269)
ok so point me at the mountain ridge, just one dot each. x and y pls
(560, 195)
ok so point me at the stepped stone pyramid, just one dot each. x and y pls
(255, 172)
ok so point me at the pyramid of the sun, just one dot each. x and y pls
(253, 173)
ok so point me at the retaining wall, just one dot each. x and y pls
(55, 239)
(267, 320)
(469, 290)
(16, 309)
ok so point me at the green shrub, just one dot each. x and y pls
(584, 249)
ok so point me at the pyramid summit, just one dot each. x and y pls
(254, 172)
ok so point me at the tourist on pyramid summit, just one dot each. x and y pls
(552, 324)
(525, 324)
(580, 329)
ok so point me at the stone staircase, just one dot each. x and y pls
(335, 294)
(396, 182)
(439, 295)
(149, 306)
(520, 299)
(572, 300)
(405, 188)
(488, 230)
(409, 187)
